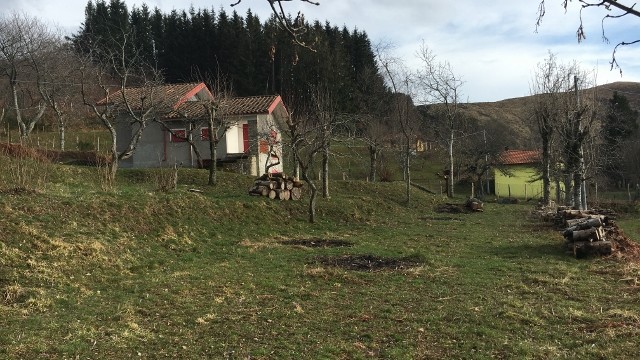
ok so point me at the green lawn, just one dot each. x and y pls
(136, 273)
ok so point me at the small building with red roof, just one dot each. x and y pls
(517, 174)
(179, 129)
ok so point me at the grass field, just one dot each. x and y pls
(137, 273)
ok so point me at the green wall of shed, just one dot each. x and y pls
(518, 183)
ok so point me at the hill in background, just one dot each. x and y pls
(512, 114)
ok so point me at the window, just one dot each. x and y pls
(204, 134)
(178, 135)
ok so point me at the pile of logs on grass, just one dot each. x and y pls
(277, 186)
(585, 232)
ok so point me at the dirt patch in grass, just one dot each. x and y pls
(19, 191)
(369, 262)
(448, 208)
(439, 218)
(318, 243)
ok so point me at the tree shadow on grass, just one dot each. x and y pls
(551, 250)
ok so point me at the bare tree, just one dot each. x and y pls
(547, 87)
(308, 128)
(575, 128)
(402, 112)
(442, 87)
(375, 132)
(218, 122)
(57, 74)
(622, 10)
(566, 117)
(372, 119)
(128, 86)
(305, 145)
(23, 42)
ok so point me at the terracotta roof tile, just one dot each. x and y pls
(515, 157)
(173, 101)
(249, 105)
(167, 95)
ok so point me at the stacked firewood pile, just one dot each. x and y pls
(277, 186)
(588, 233)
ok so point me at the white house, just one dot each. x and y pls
(179, 129)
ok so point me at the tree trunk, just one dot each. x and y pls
(312, 198)
(407, 170)
(373, 162)
(113, 167)
(325, 171)
(577, 190)
(14, 92)
(61, 131)
(213, 146)
(568, 190)
(450, 182)
(546, 172)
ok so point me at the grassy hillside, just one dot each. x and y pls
(137, 273)
(513, 114)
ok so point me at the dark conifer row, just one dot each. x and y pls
(257, 57)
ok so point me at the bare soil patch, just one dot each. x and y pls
(449, 208)
(369, 262)
(440, 218)
(19, 191)
(318, 243)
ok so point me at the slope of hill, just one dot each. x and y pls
(137, 273)
(512, 114)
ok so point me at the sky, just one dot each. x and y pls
(492, 45)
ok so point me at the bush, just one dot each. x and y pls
(85, 146)
(385, 174)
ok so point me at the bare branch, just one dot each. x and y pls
(607, 5)
(296, 28)
(614, 60)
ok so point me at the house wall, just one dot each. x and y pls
(518, 184)
(263, 133)
(155, 148)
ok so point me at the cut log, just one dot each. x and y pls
(289, 184)
(584, 249)
(296, 193)
(259, 190)
(573, 222)
(583, 225)
(282, 194)
(591, 234)
(278, 183)
(272, 194)
(266, 183)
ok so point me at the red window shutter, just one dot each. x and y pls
(178, 135)
(245, 137)
(204, 134)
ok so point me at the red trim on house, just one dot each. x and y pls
(189, 95)
(179, 137)
(274, 104)
(204, 134)
(245, 137)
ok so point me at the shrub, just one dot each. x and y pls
(85, 145)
